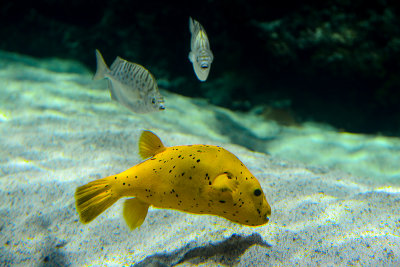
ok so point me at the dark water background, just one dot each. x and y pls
(335, 61)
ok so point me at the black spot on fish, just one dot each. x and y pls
(170, 171)
(190, 177)
(222, 201)
(153, 158)
(177, 195)
(179, 156)
(247, 221)
(136, 177)
(123, 184)
(209, 183)
(259, 212)
(129, 184)
(115, 177)
(183, 173)
(198, 161)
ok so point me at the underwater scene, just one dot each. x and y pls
(215, 133)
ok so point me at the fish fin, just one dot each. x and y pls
(135, 211)
(224, 183)
(94, 198)
(101, 66)
(191, 25)
(150, 145)
(191, 57)
(112, 90)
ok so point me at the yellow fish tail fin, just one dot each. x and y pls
(150, 145)
(101, 66)
(94, 198)
(135, 211)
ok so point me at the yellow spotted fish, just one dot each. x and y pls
(199, 179)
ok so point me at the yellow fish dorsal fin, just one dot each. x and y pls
(135, 211)
(224, 182)
(150, 145)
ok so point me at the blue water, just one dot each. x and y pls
(334, 195)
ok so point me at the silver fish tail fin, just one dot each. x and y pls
(101, 66)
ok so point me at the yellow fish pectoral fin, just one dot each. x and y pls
(135, 211)
(150, 144)
(224, 183)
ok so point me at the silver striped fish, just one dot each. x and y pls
(200, 54)
(130, 84)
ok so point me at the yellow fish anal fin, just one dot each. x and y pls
(224, 182)
(150, 145)
(135, 211)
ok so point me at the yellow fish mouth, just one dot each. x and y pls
(266, 217)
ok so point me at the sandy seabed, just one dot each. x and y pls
(60, 130)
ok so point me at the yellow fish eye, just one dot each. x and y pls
(257, 192)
